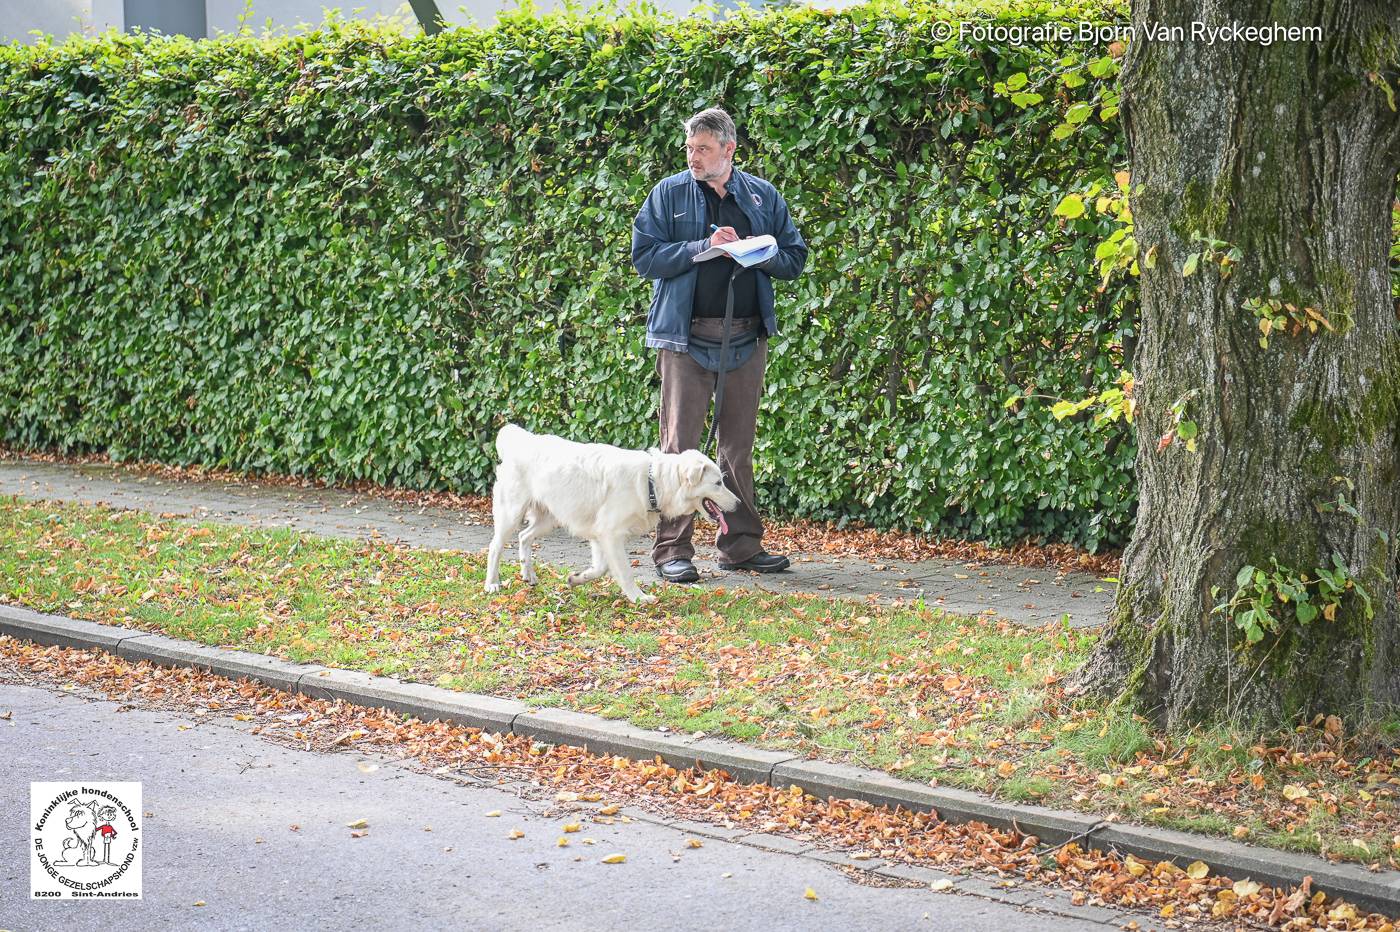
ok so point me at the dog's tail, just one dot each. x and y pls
(511, 441)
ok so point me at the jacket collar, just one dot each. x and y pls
(748, 199)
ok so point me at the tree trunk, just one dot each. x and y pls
(1288, 152)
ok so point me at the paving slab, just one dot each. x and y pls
(709, 829)
(924, 875)
(844, 859)
(784, 844)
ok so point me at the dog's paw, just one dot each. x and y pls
(493, 587)
(576, 579)
(529, 578)
(645, 599)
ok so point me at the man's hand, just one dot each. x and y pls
(723, 235)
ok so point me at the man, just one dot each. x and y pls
(710, 204)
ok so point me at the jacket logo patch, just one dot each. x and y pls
(681, 214)
(758, 201)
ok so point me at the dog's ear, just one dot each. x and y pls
(694, 472)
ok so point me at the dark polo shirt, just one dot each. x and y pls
(712, 283)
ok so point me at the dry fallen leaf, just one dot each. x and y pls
(562, 842)
(1245, 888)
(614, 859)
(810, 894)
(610, 809)
(1197, 870)
(493, 813)
(941, 884)
(515, 833)
(694, 843)
(199, 902)
(572, 827)
(358, 823)
(858, 828)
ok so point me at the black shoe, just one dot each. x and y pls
(678, 571)
(761, 562)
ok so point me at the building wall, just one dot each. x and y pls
(57, 18)
(61, 18)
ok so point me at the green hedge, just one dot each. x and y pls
(353, 255)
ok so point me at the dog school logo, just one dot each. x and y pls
(86, 841)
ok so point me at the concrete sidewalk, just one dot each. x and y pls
(242, 833)
(1019, 594)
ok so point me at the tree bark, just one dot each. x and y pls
(1290, 152)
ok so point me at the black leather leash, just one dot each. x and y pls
(708, 448)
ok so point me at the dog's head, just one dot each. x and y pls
(694, 483)
(80, 821)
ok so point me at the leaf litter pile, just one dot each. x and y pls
(794, 535)
(910, 690)
(1182, 897)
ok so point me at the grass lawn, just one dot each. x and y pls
(908, 689)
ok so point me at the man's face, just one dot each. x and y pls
(708, 160)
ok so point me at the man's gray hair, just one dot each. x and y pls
(715, 122)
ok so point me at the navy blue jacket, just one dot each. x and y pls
(670, 229)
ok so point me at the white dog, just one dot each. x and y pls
(596, 492)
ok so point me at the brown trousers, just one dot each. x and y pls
(686, 391)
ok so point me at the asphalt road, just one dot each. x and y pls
(221, 804)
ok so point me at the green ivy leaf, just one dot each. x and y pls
(1071, 206)
(1078, 113)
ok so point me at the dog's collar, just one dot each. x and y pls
(652, 503)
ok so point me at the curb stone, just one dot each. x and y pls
(58, 631)
(172, 652)
(489, 713)
(842, 781)
(606, 736)
(1379, 892)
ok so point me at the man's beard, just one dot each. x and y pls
(714, 173)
